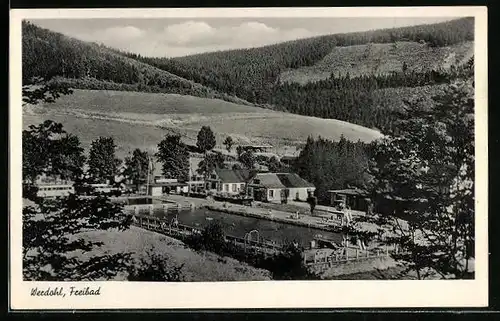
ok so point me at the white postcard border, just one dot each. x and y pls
(263, 294)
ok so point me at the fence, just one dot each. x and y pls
(176, 230)
(346, 254)
(152, 209)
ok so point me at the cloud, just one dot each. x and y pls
(192, 37)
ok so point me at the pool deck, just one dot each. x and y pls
(261, 212)
(274, 215)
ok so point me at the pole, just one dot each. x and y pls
(149, 170)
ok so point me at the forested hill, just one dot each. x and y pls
(84, 65)
(252, 74)
(256, 75)
(445, 52)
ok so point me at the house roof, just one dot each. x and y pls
(348, 191)
(269, 180)
(282, 180)
(293, 180)
(164, 184)
(232, 175)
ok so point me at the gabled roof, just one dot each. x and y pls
(232, 175)
(282, 180)
(292, 180)
(269, 180)
(349, 191)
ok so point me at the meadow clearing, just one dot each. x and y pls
(383, 58)
(141, 120)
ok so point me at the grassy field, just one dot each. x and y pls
(380, 59)
(142, 120)
(197, 266)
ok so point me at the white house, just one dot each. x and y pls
(276, 187)
(228, 181)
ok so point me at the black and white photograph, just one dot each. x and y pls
(231, 148)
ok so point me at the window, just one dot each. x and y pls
(234, 187)
(256, 181)
(271, 193)
(226, 187)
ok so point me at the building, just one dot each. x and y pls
(196, 182)
(288, 160)
(167, 186)
(354, 198)
(279, 187)
(228, 181)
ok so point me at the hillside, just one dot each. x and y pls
(348, 70)
(196, 267)
(84, 65)
(251, 74)
(141, 120)
(381, 58)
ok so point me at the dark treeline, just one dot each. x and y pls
(251, 74)
(49, 55)
(352, 99)
(333, 165)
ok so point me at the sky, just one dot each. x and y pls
(173, 37)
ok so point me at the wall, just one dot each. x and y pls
(232, 188)
(155, 191)
(303, 193)
(276, 194)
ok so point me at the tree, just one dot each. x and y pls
(103, 165)
(174, 156)
(212, 238)
(137, 167)
(209, 163)
(38, 89)
(247, 158)
(49, 150)
(228, 142)
(205, 139)
(156, 270)
(427, 170)
(275, 165)
(51, 245)
(289, 265)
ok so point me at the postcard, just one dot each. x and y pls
(248, 158)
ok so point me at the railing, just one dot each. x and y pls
(346, 254)
(180, 230)
(151, 209)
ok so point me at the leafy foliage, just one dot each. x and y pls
(425, 174)
(103, 165)
(228, 142)
(332, 165)
(156, 271)
(247, 158)
(174, 156)
(49, 150)
(205, 139)
(50, 237)
(212, 238)
(210, 162)
(38, 90)
(137, 166)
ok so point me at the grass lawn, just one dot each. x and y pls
(141, 120)
(197, 266)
